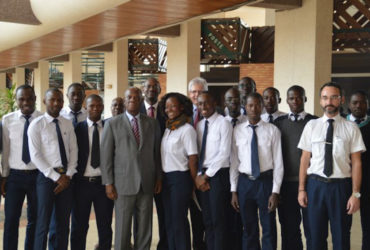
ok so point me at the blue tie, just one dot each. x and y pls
(75, 118)
(254, 149)
(62, 149)
(25, 150)
(203, 148)
(95, 147)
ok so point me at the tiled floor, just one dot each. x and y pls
(92, 237)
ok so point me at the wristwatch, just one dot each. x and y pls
(356, 194)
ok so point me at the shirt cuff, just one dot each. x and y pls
(233, 187)
(276, 189)
(54, 175)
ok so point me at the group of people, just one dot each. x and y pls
(232, 168)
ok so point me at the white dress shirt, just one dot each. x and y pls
(277, 114)
(301, 116)
(147, 106)
(176, 147)
(13, 127)
(44, 146)
(218, 145)
(241, 118)
(131, 117)
(269, 152)
(90, 171)
(67, 113)
(347, 139)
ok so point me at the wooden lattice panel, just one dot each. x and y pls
(224, 41)
(351, 25)
(147, 55)
(262, 46)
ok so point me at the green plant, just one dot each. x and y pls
(7, 100)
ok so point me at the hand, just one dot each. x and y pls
(2, 188)
(234, 201)
(353, 205)
(201, 182)
(111, 192)
(205, 187)
(273, 202)
(158, 187)
(302, 198)
(63, 183)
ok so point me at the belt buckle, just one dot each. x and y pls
(251, 177)
(60, 170)
(92, 179)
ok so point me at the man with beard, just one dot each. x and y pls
(330, 172)
(271, 100)
(358, 105)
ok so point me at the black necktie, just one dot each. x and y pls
(75, 118)
(254, 157)
(244, 111)
(95, 149)
(358, 121)
(203, 148)
(62, 149)
(328, 167)
(234, 121)
(25, 150)
(271, 119)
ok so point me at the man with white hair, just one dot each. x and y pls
(196, 87)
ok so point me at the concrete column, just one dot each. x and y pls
(41, 83)
(72, 70)
(115, 73)
(2, 80)
(183, 57)
(19, 77)
(303, 50)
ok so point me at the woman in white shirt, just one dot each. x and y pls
(179, 163)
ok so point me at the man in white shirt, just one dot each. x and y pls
(195, 88)
(88, 188)
(74, 111)
(53, 150)
(214, 134)
(256, 175)
(232, 102)
(271, 100)
(330, 172)
(18, 171)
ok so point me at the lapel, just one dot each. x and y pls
(143, 126)
(127, 124)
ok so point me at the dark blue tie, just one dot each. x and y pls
(62, 149)
(95, 147)
(25, 150)
(75, 118)
(271, 119)
(328, 164)
(203, 148)
(254, 157)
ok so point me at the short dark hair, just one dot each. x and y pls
(94, 97)
(250, 80)
(297, 88)
(183, 100)
(359, 92)
(24, 87)
(331, 84)
(276, 91)
(257, 96)
(76, 84)
(53, 90)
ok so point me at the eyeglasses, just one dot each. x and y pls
(332, 98)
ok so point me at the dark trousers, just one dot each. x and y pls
(197, 226)
(46, 199)
(253, 198)
(176, 195)
(290, 216)
(20, 184)
(163, 242)
(328, 202)
(365, 220)
(236, 230)
(87, 194)
(216, 210)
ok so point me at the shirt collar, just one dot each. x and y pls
(301, 115)
(49, 118)
(229, 118)
(147, 105)
(195, 108)
(335, 118)
(247, 123)
(69, 110)
(352, 118)
(130, 117)
(20, 115)
(90, 123)
(212, 118)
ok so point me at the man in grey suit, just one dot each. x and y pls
(131, 170)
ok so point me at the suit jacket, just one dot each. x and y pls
(126, 164)
(160, 117)
(82, 135)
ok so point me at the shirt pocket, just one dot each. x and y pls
(264, 141)
(174, 145)
(16, 132)
(318, 146)
(339, 146)
(213, 138)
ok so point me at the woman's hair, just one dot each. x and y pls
(183, 100)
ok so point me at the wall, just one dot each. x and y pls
(262, 74)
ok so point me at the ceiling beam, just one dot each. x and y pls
(277, 4)
(172, 31)
(103, 48)
(33, 65)
(62, 58)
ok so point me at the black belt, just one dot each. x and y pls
(60, 170)
(327, 180)
(24, 171)
(94, 179)
(263, 175)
